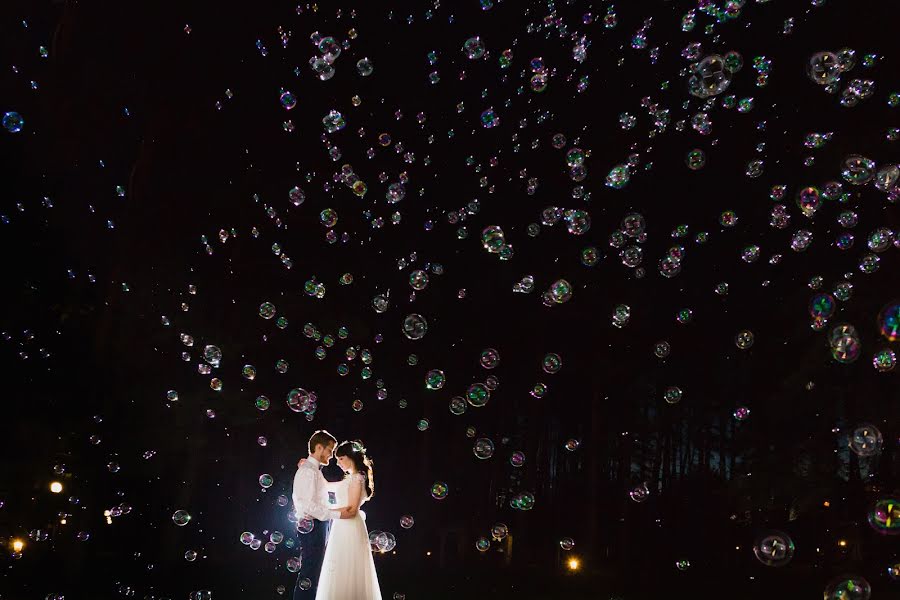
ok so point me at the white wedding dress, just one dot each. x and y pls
(348, 570)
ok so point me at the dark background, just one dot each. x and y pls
(85, 357)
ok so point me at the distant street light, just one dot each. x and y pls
(56, 487)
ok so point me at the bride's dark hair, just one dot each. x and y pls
(355, 451)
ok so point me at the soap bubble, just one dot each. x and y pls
(566, 543)
(710, 78)
(551, 363)
(266, 310)
(865, 440)
(499, 531)
(823, 68)
(407, 521)
(364, 67)
(435, 379)
(857, 169)
(639, 493)
(884, 516)
(848, 587)
(473, 48)
(889, 321)
(478, 394)
(484, 448)
(181, 517)
(439, 490)
(13, 122)
(517, 459)
(774, 548)
(266, 480)
(482, 544)
(490, 358)
(415, 326)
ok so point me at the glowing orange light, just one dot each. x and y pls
(842, 543)
(574, 564)
(826, 504)
(17, 545)
(56, 487)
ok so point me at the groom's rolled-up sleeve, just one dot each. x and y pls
(305, 501)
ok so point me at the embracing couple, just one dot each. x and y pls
(336, 558)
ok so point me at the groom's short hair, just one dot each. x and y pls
(320, 437)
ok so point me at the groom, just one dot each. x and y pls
(311, 502)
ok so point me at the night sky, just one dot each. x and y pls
(687, 203)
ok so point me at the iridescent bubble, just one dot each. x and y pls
(846, 348)
(884, 516)
(709, 77)
(539, 390)
(551, 363)
(489, 119)
(889, 321)
(741, 413)
(181, 517)
(328, 217)
(435, 379)
(884, 360)
(744, 339)
(823, 68)
(590, 256)
(423, 424)
(483, 448)
(578, 222)
(561, 291)
(774, 548)
(190, 556)
(499, 531)
(304, 526)
(364, 67)
(865, 440)
(266, 310)
(457, 405)
(822, 306)
(673, 394)
(695, 159)
(380, 303)
(212, 355)
(298, 400)
(517, 459)
(333, 121)
(407, 521)
(572, 444)
(566, 543)
(857, 169)
(13, 122)
(887, 177)
(246, 538)
(266, 480)
(493, 239)
(478, 394)
(482, 544)
(288, 100)
(848, 587)
(683, 564)
(415, 326)
(473, 48)
(618, 177)
(297, 196)
(439, 490)
(418, 280)
(639, 493)
(489, 358)
(249, 372)
(292, 564)
(662, 349)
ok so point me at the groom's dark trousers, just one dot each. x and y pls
(312, 551)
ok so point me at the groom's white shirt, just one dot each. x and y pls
(310, 494)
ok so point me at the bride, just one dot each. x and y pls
(348, 570)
